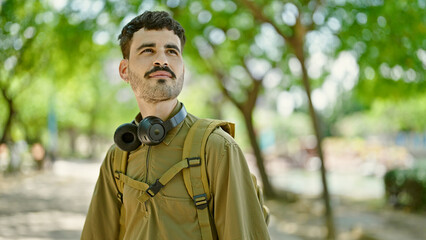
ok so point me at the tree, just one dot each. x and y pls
(294, 32)
(54, 59)
(232, 72)
(19, 37)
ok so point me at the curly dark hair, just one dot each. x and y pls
(149, 20)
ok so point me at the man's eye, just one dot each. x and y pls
(147, 50)
(172, 51)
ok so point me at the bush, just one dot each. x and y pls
(406, 188)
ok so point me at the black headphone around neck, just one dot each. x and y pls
(150, 131)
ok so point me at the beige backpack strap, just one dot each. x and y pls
(196, 181)
(151, 191)
(120, 167)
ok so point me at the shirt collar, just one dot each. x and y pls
(172, 133)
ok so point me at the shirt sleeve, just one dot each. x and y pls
(103, 217)
(236, 210)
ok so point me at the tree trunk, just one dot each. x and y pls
(326, 195)
(73, 141)
(267, 187)
(7, 127)
(92, 136)
(246, 108)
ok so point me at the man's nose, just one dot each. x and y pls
(161, 60)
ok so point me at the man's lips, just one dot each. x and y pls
(160, 74)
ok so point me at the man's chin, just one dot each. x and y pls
(156, 100)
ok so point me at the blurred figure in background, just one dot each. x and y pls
(38, 154)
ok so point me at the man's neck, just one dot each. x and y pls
(161, 110)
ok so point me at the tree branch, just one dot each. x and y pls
(261, 17)
(252, 93)
(318, 3)
(220, 77)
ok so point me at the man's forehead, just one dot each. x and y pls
(162, 37)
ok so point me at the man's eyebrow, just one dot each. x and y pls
(172, 46)
(145, 45)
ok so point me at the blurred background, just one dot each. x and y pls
(328, 96)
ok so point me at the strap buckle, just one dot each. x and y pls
(194, 162)
(154, 188)
(117, 175)
(120, 196)
(200, 201)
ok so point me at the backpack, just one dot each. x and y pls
(193, 167)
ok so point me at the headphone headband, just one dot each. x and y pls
(176, 119)
(150, 131)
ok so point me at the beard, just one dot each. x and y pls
(155, 90)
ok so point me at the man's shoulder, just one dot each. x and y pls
(219, 138)
(113, 149)
(113, 152)
(219, 145)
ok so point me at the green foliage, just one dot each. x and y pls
(52, 59)
(388, 40)
(55, 57)
(33, 103)
(386, 117)
(408, 114)
(406, 188)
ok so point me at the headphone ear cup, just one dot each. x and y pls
(151, 131)
(126, 137)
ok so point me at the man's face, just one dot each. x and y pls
(155, 68)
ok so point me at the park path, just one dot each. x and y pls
(47, 205)
(52, 205)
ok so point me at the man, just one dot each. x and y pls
(152, 64)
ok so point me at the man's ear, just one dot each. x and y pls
(123, 69)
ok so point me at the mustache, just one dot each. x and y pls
(158, 68)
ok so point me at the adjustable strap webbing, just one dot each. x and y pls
(195, 143)
(120, 164)
(151, 190)
(196, 178)
(131, 182)
(192, 148)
